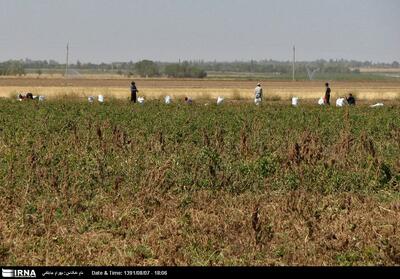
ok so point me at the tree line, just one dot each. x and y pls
(192, 69)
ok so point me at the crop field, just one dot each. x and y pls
(237, 184)
(369, 91)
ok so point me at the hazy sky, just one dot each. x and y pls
(224, 30)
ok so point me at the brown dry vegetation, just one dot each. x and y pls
(205, 228)
(180, 185)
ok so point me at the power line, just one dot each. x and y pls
(294, 60)
(66, 64)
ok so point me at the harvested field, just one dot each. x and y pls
(187, 83)
(203, 89)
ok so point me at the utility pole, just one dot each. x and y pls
(66, 64)
(294, 60)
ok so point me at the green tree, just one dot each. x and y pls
(184, 70)
(12, 68)
(147, 68)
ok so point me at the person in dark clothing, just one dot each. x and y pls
(327, 94)
(28, 96)
(133, 92)
(351, 100)
(188, 100)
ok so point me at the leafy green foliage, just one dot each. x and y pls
(232, 147)
(12, 68)
(147, 68)
(123, 184)
(184, 70)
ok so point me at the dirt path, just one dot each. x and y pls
(187, 83)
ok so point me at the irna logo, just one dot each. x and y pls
(18, 273)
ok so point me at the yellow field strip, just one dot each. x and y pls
(202, 93)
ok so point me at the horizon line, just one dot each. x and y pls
(204, 61)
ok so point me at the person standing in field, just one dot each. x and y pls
(134, 91)
(327, 98)
(258, 92)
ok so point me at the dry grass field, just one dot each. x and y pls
(197, 89)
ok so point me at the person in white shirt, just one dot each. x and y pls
(258, 92)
